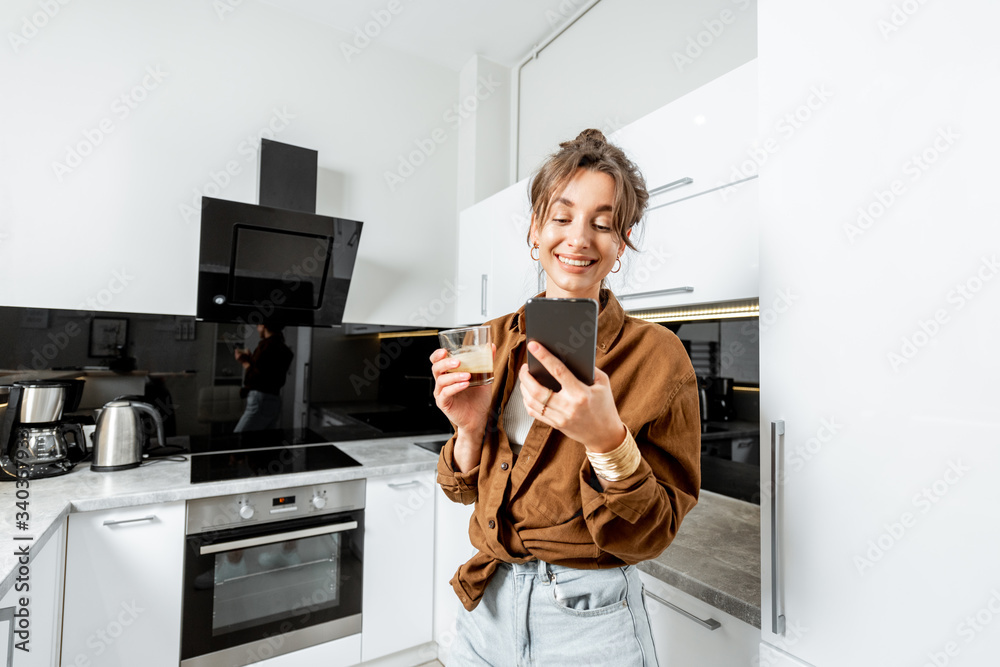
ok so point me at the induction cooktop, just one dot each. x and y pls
(263, 454)
(269, 439)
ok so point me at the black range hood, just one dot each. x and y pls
(277, 259)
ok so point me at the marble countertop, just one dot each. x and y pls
(715, 556)
(83, 490)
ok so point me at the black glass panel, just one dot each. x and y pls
(267, 462)
(266, 439)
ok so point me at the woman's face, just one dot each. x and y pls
(577, 245)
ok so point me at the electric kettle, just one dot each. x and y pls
(119, 439)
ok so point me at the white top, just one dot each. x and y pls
(516, 420)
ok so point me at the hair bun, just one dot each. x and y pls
(593, 135)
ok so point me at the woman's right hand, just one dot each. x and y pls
(466, 407)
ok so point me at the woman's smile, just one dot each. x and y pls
(577, 245)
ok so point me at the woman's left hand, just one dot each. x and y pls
(584, 413)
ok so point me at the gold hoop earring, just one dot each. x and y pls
(619, 263)
(532, 252)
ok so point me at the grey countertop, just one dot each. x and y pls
(715, 556)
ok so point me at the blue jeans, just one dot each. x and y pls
(263, 411)
(541, 615)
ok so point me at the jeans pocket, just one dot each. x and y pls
(584, 593)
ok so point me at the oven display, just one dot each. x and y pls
(282, 501)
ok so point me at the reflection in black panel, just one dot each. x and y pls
(267, 462)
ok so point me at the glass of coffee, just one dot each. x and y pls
(471, 346)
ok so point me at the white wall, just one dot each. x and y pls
(113, 233)
(624, 59)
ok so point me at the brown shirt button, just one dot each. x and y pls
(503, 466)
(493, 524)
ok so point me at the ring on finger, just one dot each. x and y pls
(545, 403)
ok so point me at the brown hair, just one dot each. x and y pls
(591, 150)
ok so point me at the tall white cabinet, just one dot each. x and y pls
(879, 224)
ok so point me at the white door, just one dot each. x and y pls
(880, 295)
(515, 273)
(699, 250)
(40, 584)
(123, 587)
(398, 610)
(452, 548)
(472, 279)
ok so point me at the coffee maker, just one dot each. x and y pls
(33, 437)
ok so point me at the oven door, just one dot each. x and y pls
(258, 591)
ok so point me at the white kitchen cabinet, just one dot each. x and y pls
(879, 240)
(397, 607)
(708, 135)
(44, 582)
(475, 261)
(772, 657)
(702, 235)
(687, 631)
(123, 587)
(452, 548)
(496, 274)
(699, 250)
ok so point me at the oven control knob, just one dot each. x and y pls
(318, 501)
(246, 511)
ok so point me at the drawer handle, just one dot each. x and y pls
(659, 292)
(405, 485)
(679, 183)
(710, 623)
(151, 517)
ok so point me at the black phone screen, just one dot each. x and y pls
(568, 329)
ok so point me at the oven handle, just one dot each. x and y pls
(274, 538)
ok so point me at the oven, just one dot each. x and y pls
(271, 572)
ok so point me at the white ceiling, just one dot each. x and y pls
(446, 32)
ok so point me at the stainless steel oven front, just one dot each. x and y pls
(270, 572)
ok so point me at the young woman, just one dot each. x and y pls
(572, 488)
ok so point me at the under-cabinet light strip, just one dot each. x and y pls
(408, 334)
(749, 308)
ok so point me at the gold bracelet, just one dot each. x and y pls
(620, 462)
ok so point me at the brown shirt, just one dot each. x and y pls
(547, 504)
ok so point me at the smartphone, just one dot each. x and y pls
(568, 329)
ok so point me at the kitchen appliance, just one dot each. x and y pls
(33, 437)
(119, 438)
(719, 394)
(263, 454)
(277, 259)
(271, 572)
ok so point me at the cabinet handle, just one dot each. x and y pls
(710, 623)
(777, 608)
(679, 183)
(405, 485)
(482, 295)
(151, 517)
(658, 292)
